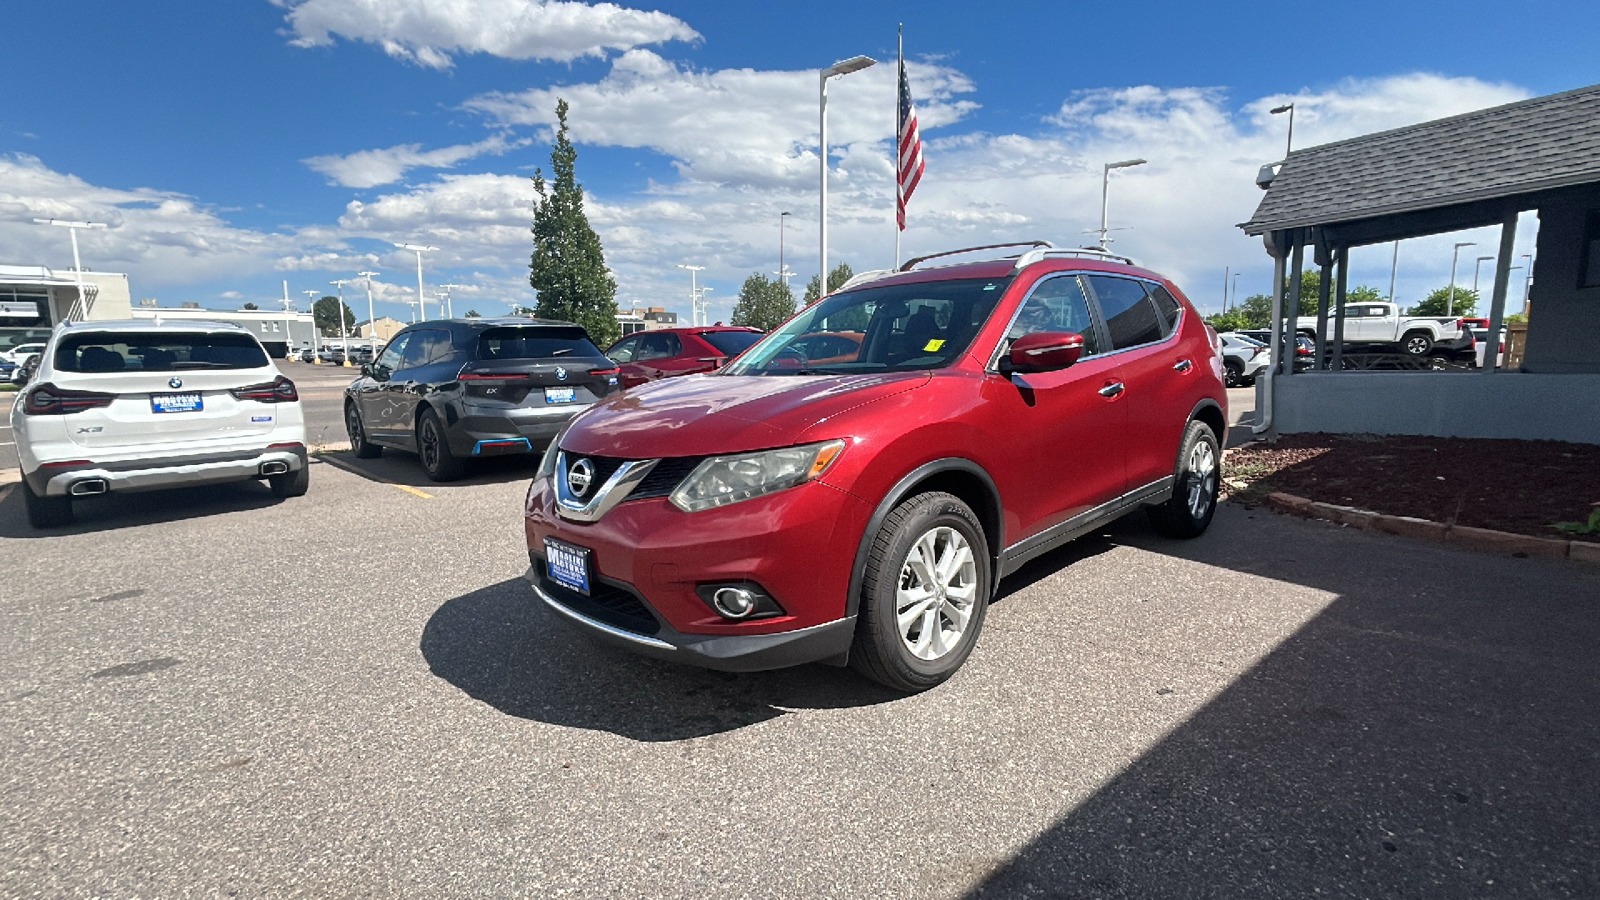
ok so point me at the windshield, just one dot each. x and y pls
(731, 343)
(162, 351)
(894, 328)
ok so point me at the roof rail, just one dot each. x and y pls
(1047, 251)
(863, 278)
(911, 263)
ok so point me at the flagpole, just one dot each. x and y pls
(894, 165)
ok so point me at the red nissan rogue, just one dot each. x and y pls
(861, 509)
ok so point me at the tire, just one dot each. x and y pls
(433, 449)
(1416, 343)
(46, 512)
(1232, 373)
(353, 426)
(923, 652)
(290, 484)
(1194, 495)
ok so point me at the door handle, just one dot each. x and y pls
(1112, 389)
(1182, 365)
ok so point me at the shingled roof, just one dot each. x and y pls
(1532, 145)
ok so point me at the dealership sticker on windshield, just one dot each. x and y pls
(933, 346)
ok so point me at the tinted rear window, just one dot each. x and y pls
(158, 352)
(732, 343)
(534, 342)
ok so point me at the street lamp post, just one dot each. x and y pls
(316, 333)
(449, 305)
(1394, 265)
(419, 249)
(781, 277)
(1288, 144)
(1450, 303)
(842, 67)
(80, 306)
(1234, 301)
(1527, 283)
(1105, 182)
(344, 338)
(1475, 268)
(288, 319)
(694, 294)
(372, 323)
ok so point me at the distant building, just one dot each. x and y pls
(382, 328)
(33, 299)
(646, 318)
(277, 330)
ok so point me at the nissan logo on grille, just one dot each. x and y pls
(579, 477)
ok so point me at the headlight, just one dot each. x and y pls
(721, 480)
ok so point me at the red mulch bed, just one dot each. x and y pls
(1518, 486)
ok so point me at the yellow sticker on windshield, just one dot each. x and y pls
(933, 345)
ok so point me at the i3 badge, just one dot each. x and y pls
(175, 382)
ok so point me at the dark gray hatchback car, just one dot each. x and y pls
(457, 389)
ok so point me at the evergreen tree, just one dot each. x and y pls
(325, 313)
(474, 314)
(568, 266)
(763, 302)
(836, 277)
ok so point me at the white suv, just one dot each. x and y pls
(145, 404)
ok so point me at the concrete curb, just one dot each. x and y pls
(1484, 540)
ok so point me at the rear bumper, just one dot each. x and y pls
(491, 431)
(127, 475)
(828, 642)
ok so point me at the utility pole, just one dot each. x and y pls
(372, 323)
(316, 333)
(419, 249)
(344, 338)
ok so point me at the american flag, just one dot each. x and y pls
(909, 144)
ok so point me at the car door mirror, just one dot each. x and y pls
(1045, 351)
(366, 369)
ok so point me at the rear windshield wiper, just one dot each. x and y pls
(197, 364)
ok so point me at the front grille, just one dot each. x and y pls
(661, 481)
(608, 601)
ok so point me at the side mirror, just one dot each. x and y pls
(1045, 351)
(366, 369)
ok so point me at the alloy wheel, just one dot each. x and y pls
(935, 594)
(1202, 478)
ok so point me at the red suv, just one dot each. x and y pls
(862, 510)
(665, 352)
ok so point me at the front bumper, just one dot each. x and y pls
(128, 475)
(828, 642)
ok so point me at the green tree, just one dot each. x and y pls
(1439, 303)
(474, 314)
(249, 306)
(568, 266)
(837, 276)
(1256, 309)
(1232, 320)
(325, 313)
(763, 302)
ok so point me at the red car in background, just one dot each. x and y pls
(665, 352)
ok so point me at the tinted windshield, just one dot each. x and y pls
(732, 343)
(874, 329)
(160, 351)
(534, 342)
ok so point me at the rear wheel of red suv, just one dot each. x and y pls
(925, 593)
(1194, 495)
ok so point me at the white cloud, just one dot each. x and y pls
(428, 32)
(370, 168)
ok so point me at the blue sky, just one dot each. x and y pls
(235, 145)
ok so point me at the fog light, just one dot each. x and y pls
(733, 603)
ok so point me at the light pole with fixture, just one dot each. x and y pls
(81, 304)
(842, 67)
(419, 249)
(1234, 297)
(344, 337)
(694, 294)
(1289, 143)
(1450, 303)
(372, 323)
(1105, 182)
(1475, 268)
(288, 319)
(781, 270)
(704, 319)
(316, 333)
(1527, 283)
(1394, 264)
(449, 305)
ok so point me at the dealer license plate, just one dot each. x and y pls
(168, 403)
(560, 395)
(567, 565)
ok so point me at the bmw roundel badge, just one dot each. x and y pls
(561, 374)
(175, 382)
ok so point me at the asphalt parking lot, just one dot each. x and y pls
(354, 693)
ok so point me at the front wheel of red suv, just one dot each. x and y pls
(925, 593)
(1194, 495)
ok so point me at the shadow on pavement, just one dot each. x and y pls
(400, 467)
(109, 512)
(1430, 733)
(502, 647)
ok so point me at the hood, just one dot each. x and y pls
(697, 415)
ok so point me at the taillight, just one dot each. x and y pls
(278, 390)
(49, 400)
(611, 371)
(493, 376)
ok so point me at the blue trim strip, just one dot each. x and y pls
(478, 447)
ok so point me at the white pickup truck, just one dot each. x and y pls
(1382, 323)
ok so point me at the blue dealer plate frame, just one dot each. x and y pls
(567, 565)
(560, 395)
(172, 403)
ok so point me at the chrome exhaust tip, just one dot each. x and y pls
(274, 468)
(87, 486)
